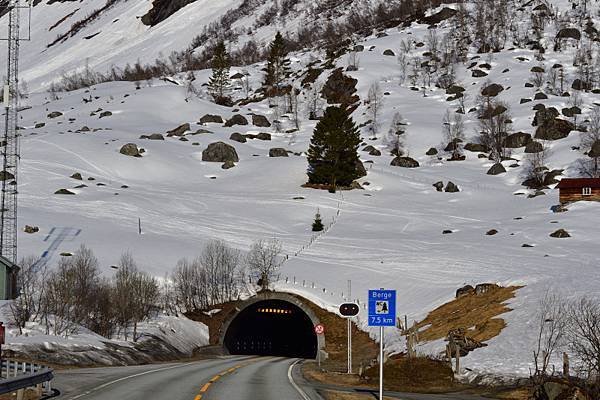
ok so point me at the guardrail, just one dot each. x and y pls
(16, 376)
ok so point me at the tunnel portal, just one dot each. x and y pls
(274, 328)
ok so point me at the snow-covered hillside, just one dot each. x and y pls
(387, 235)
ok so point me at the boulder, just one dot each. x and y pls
(464, 291)
(477, 73)
(570, 112)
(340, 89)
(375, 153)
(455, 89)
(451, 188)
(260, 121)
(55, 114)
(491, 232)
(130, 149)
(492, 90)
(238, 137)
(77, 176)
(84, 129)
(6, 176)
(153, 136)
(578, 84)
(557, 129)
(389, 52)
(432, 152)
(179, 131)
(540, 96)
(368, 148)
(278, 152)
(496, 169)
(476, 148)
(444, 14)
(263, 136)
(534, 147)
(569, 33)
(220, 152)
(439, 186)
(106, 114)
(405, 162)
(560, 234)
(360, 169)
(209, 118)
(517, 140)
(595, 151)
(64, 191)
(31, 229)
(228, 165)
(237, 119)
(544, 116)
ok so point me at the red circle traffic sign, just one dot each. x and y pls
(319, 329)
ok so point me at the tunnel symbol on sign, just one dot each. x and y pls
(382, 307)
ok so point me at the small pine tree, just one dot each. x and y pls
(317, 225)
(278, 65)
(219, 82)
(333, 151)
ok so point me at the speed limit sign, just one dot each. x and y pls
(319, 329)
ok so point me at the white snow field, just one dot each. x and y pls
(387, 235)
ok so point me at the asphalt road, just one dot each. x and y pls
(231, 378)
(226, 378)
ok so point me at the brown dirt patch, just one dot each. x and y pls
(476, 313)
(29, 395)
(331, 395)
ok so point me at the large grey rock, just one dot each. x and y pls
(55, 114)
(77, 176)
(237, 119)
(451, 188)
(492, 90)
(278, 152)
(496, 169)
(220, 152)
(106, 114)
(595, 151)
(238, 137)
(439, 186)
(405, 162)
(210, 118)
(153, 136)
(432, 152)
(130, 149)
(360, 169)
(476, 148)
(64, 191)
(517, 140)
(179, 131)
(560, 234)
(557, 129)
(534, 147)
(228, 165)
(260, 121)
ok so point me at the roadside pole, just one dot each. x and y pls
(381, 363)
(349, 330)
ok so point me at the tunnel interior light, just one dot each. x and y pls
(274, 311)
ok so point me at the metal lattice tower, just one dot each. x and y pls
(10, 142)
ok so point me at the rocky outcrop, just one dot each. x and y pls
(340, 89)
(220, 152)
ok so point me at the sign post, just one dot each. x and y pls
(382, 313)
(319, 330)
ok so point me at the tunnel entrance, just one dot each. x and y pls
(274, 328)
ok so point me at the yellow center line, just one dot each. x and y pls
(219, 376)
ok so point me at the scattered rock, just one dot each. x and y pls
(55, 114)
(260, 121)
(238, 137)
(405, 162)
(439, 186)
(477, 73)
(64, 191)
(389, 52)
(491, 232)
(360, 169)
(130, 149)
(228, 165)
(31, 229)
(595, 151)
(451, 188)
(208, 118)
(561, 234)
(340, 89)
(476, 148)
(82, 186)
(496, 169)
(534, 147)
(432, 152)
(237, 119)
(179, 131)
(569, 33)
(446, 232)
(492, 90)
(220, 152)
(517, 140)
(153, 136)
(263, 136)
(77, 176)
(278, 152)
(40, 125)
(375, 153)
(540, 96)
(554, 130)
(106, 114)
(464, 291)
(527, 245)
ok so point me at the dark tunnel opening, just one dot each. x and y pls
(272, 328)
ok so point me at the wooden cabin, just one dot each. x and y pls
(586, 189)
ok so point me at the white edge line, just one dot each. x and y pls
(298, 389)
(97, 388)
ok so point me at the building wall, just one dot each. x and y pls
(3, 283)
(571, 195)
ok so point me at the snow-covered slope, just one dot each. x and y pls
(387, 235)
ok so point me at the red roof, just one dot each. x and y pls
(579, 183)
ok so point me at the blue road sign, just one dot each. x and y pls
(382, 308)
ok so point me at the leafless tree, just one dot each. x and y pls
(295, 106)
(263, 261)
(394, 139)
(551, 323)
(314, 101)
(535, 166)
(453, 129)
(222, 265)
(590, 145)
(353, 61)
(25, 308)
(495, 124)
(583, 333)
(375, 101)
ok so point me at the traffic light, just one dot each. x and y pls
(349, 310)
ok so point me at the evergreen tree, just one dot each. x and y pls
(219, 82)
(333, 152)
(278, 65)
(317, 225)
